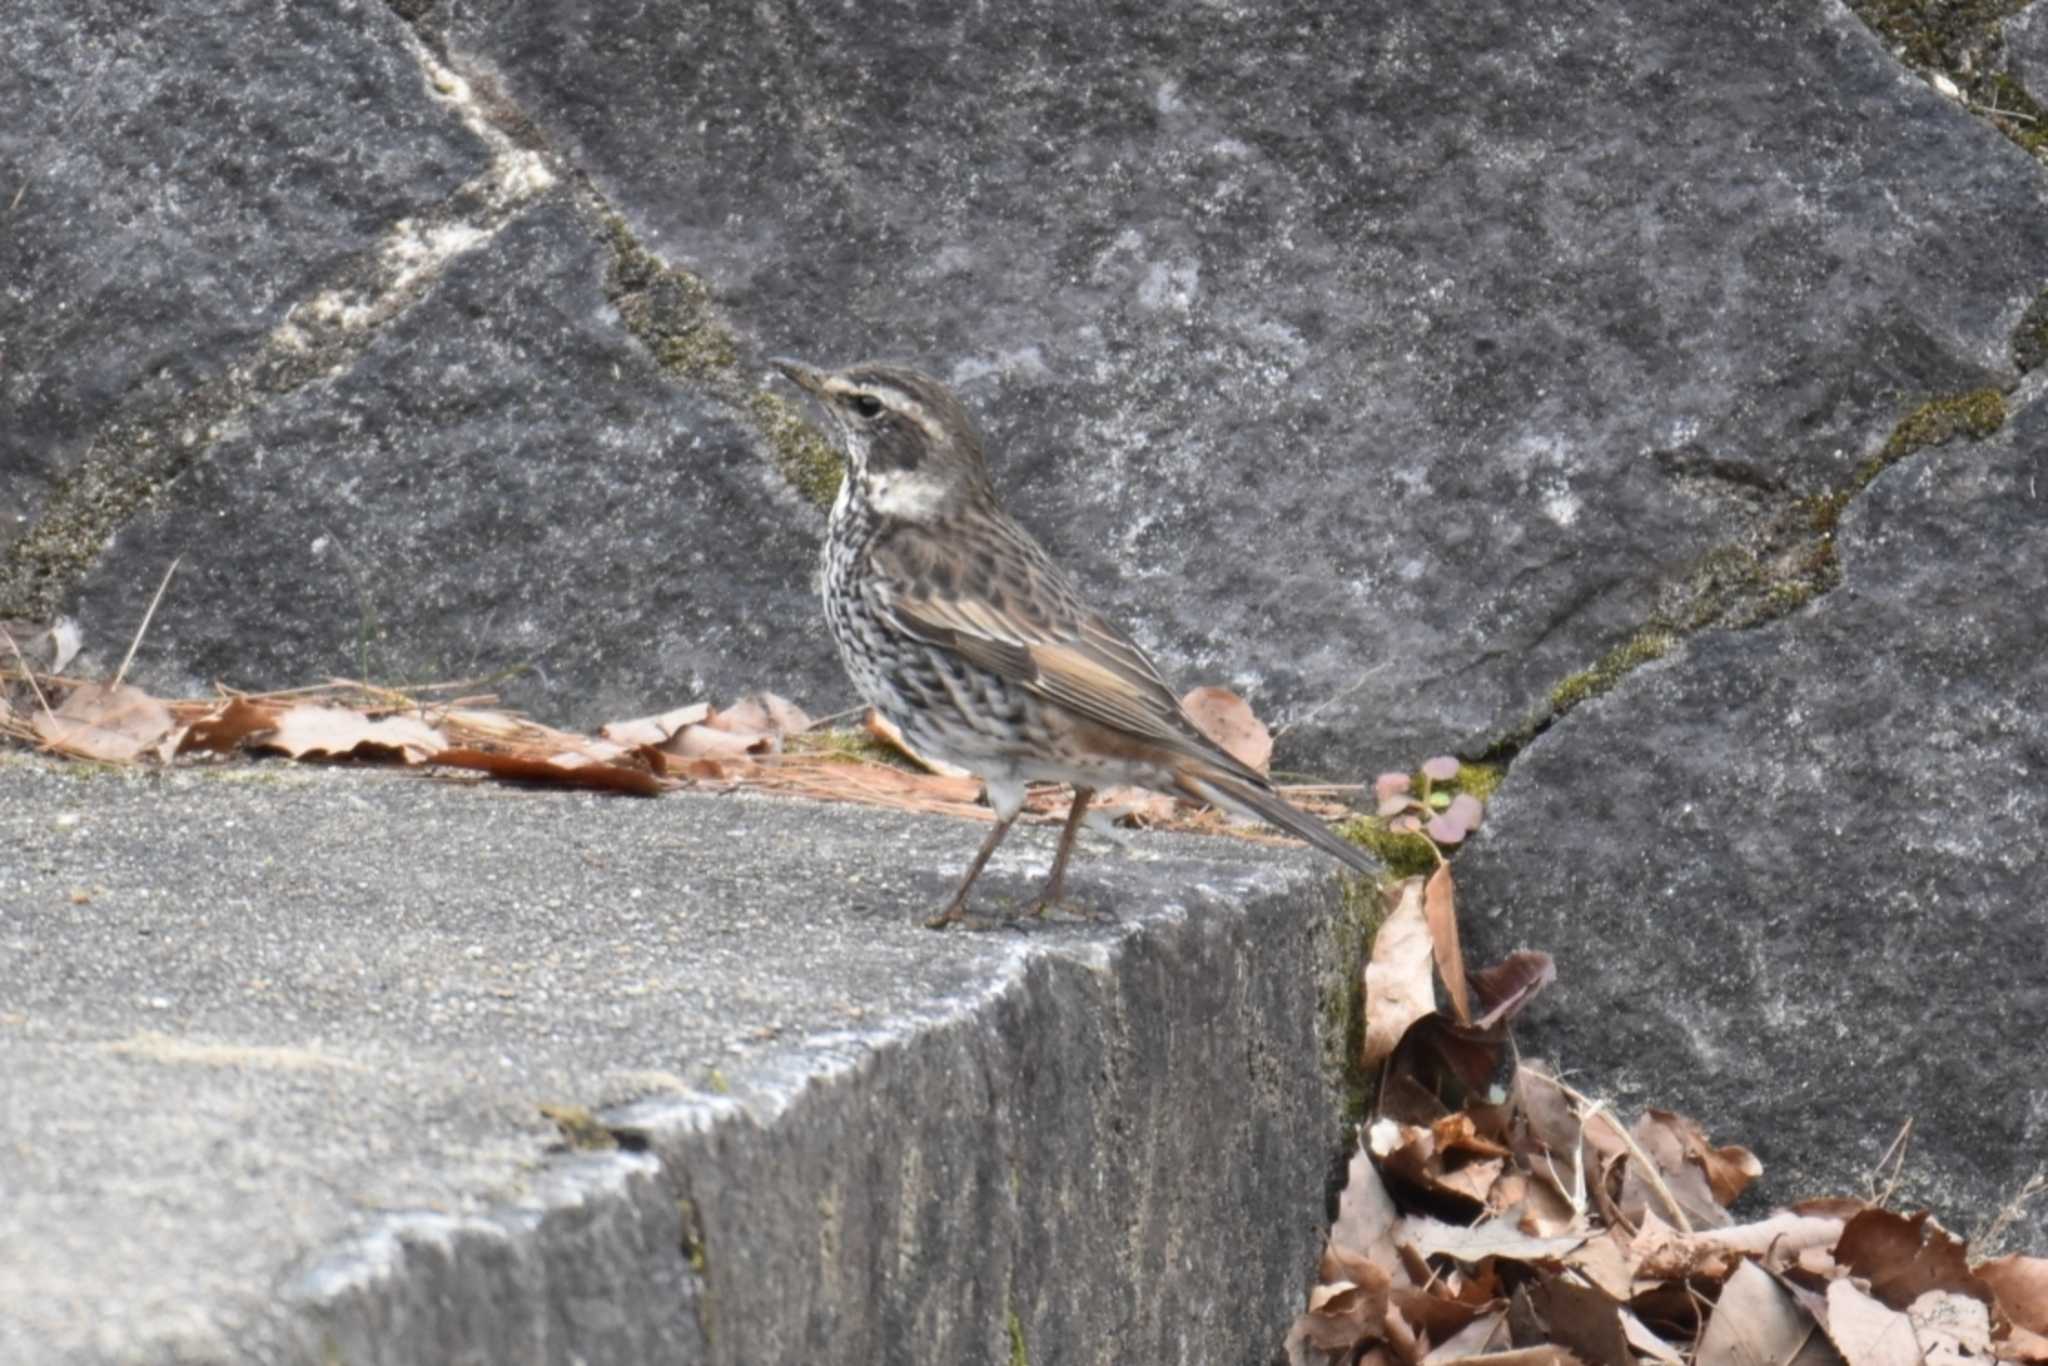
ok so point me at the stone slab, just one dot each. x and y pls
(275, 1039)
(174, 179)
(1389, 360)
(503, 487)
(1794, 877)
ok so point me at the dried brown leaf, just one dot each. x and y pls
(1866, 1332)
(2022, 1344)
(567, 769)
(654, 730)
(1346, 1313)
(883, 729)
(1605, 1261)
(1552, 1124)
(1495, 1238)
(708, 742)
(1583, 1319)
(2021, 1286)
(762, 713)
(1136, 806)
(1647, 1343)
(1953, 1329)
(1668, 1140)
(1754, 1321)
(113, 724)
(1528, 1356)
(1780, 1240)
(1366, 1214)
(1504, 988)
(338, 732)
(1228, 719)
(1905, 1257)
(45, 647)
(229, 726)
(1486, 1332)
(1400, 987)
(1439, 907)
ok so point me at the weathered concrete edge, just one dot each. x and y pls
(1122, 1148)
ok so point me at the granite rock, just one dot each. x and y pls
(1792, 877)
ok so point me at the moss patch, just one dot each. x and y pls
(1652, 642)
(671, 313)
(1963, 41)
(1352, 930)
(1020, 1354)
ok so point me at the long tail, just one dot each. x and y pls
(1235, 794)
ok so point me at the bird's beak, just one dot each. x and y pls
(809, 380)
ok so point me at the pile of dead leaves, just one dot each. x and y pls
(761, 743)
(1494, 1214)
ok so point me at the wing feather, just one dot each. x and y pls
(1101, 677)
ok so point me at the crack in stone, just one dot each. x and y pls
(1786, 560)
(130, 461)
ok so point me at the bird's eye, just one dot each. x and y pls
(867, 405)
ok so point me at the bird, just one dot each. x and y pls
(957, 625)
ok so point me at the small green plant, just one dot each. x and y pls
(1425, 813)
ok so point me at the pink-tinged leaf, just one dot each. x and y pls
(1392, 806)
(1390, 785)
(1405, 825)
(1444, 830)
(1467, 810)
(1440, 769)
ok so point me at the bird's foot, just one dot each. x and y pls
(1068, 909)
(958, 914)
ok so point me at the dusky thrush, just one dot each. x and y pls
(959, 628)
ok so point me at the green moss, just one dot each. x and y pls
(1976, 414)
(671, 313)
(1645, 645)
(1937, 35)
(803, 457)
(1342, 996)
(1479, 779)
(1404, 855)
(580, 1129)
(1020, 1355)
(850, 743)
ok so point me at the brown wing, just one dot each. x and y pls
(1037, 632)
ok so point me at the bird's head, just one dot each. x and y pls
(911, 450)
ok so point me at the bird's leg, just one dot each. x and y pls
(1055, 883)
(956, 909)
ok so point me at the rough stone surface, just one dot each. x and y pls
(1793, 877)
(502, 486)
(1390, 363)
(2026, 50)
(1416, 347)
(274, 1041)
(176, 179)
